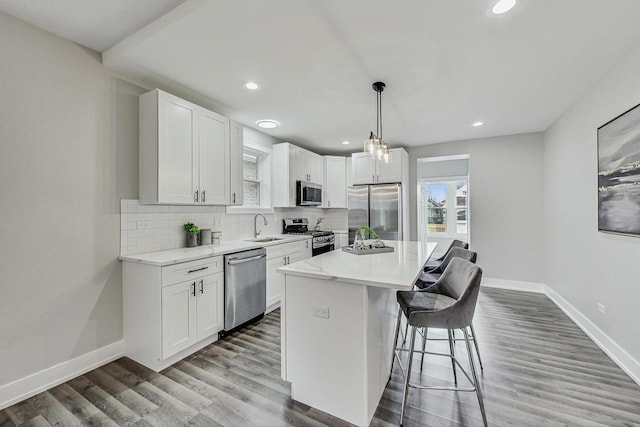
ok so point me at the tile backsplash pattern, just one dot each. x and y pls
(147, 228)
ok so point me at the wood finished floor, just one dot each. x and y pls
(539, 370)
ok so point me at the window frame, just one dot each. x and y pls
(451, 206)
(263, 154)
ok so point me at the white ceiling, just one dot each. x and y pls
(446, 64)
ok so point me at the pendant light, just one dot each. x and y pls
(375, 144)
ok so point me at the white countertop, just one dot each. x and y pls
(397, 270)
(174, 256)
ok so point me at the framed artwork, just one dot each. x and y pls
(619, 174)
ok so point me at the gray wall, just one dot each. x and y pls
(584, 266)
(68, 135)
(506, 211)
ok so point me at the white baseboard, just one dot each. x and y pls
(33, 384)
(514, 285)
(621, 358)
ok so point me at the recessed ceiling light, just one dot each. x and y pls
(251, 85)
(503, 6)
(267, 124)
(476, 124)
(345, 142)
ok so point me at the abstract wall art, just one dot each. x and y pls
(619, 174)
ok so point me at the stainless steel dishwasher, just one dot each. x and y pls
(245, 287)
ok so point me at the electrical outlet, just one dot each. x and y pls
(601, 308)
(321, 311)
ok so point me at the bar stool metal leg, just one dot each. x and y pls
(452, 351)
(475, 376)
(475, 343)
(412, 342)
(425, 331)
(395, 342)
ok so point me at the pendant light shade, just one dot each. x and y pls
(375, 144)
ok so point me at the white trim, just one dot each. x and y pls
(443, 158)
(624, 360)
(38, 382)
(514, 285)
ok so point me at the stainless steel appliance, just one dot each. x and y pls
(245, 287)
(377, 206)
(321, 241)
(308, 194)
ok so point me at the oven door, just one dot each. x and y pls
(322, 248)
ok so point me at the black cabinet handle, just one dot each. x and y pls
(197, 269)
(202, 286)
(194, 288)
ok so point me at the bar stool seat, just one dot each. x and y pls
(411, 302)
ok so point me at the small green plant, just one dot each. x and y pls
(364, 231)
(190, 228)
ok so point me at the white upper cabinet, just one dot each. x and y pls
(290, 164)
(213, 158)
(308, 165)
(236, 183)
(367, 169)
(335, 182)
(184, 152)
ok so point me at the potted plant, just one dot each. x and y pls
(192, 234)
(361, 237)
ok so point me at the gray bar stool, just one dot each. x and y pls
(451, 309)
(435, 263)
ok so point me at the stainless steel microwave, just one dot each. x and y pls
(308, 194)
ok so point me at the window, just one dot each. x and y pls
(256, 178)
(443, 207)
(251, 181)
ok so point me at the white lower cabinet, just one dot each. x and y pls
(342, 239)
(173, 311)
(277, 256)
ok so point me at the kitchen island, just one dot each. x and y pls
(338, 317)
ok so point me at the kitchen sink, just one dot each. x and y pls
(265, 239)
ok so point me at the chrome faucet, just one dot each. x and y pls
(256, 233)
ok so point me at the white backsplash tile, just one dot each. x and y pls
(146, 228)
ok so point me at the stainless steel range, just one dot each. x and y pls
(321, 241)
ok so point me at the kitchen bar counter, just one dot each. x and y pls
(175, 256)
(338, 318)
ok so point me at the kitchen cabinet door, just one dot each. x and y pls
(342, 239)
(237, 150)
(335, 182)
(209, 305)
(392, 171)
(305, 164)
(178, 317)
(176, 147)
(363, 169)
(214, 158)
(275, 280)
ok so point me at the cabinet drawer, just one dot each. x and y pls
(191, 270)
(287, 248)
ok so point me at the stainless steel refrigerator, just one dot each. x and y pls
(377, 206)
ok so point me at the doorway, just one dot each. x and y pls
(443, 199)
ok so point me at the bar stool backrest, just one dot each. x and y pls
(455, 243)
(465, 254)
(460, 281)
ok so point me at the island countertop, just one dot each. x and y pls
(397, 270)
